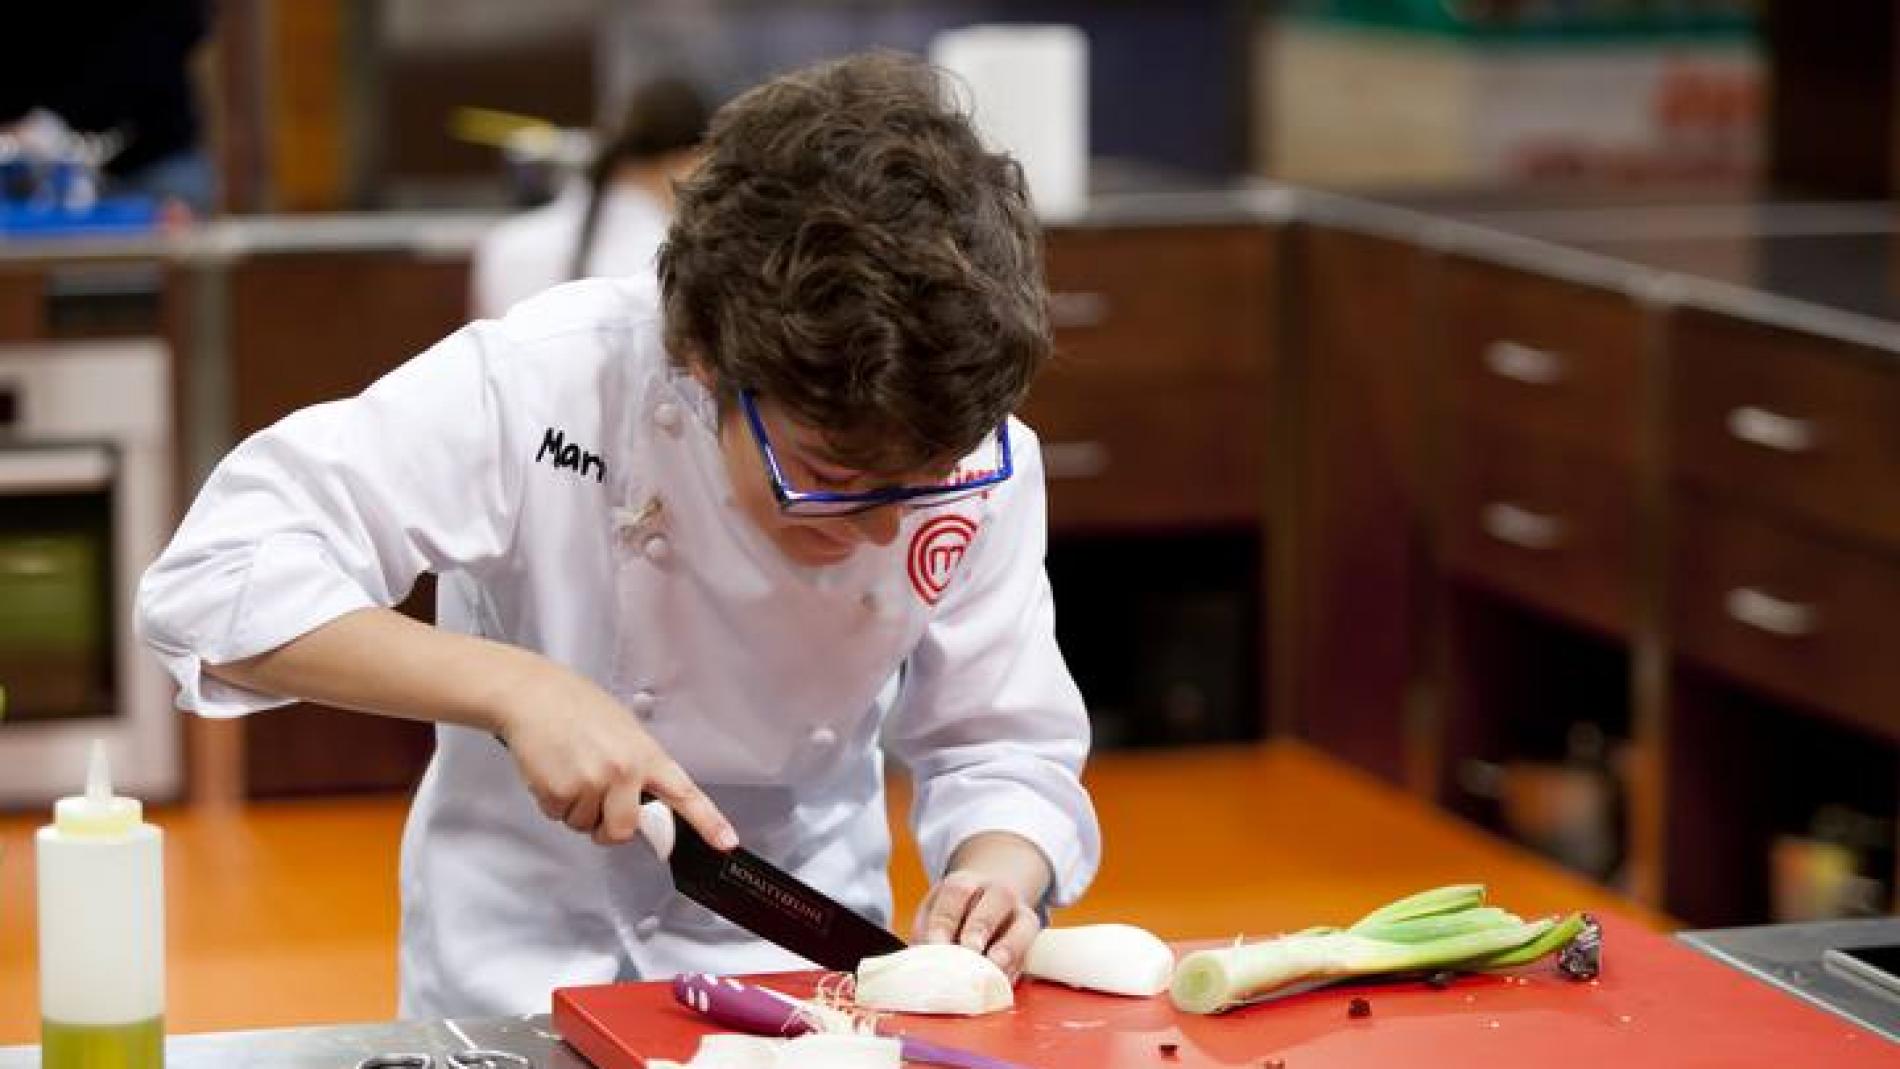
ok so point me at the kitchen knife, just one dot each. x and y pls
(761, 1011)
(760, 897)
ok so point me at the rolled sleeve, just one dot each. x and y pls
(990, 722)
(290, 588)
(336, 508)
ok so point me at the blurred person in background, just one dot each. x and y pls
(610, 223)
(121, 69)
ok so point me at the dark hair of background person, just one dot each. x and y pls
(850, 250)
(661, 117)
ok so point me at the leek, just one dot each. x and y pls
(1444, 928)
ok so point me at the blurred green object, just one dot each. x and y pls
(1541, 21)
(50, 599)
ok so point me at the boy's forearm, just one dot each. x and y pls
(1008, 857)
(380, 661)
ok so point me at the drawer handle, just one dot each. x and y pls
(1074, 460)
(1519, 526)
(1765, 612)
(1077, 310)
(1523, 363)
(1771, 430)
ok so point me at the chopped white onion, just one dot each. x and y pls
(1119, 959)
(933, 978)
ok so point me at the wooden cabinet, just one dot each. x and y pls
(1528, 518)
(1154, 420)
(1543, 387)
(1161, 305)
(1352, 536)
(1783, 580)
(22, 304)
(1800, 617)
(1125, 457)
(1152, 414)
(1799, 426)
(1545, 357)
(1539, 388)
(311, 327)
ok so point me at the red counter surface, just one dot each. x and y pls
(1658, 1003)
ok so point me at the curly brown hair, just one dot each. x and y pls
(851, 251)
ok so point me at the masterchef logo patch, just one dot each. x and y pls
(935, 550)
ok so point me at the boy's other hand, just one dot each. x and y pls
(986, 900)
(586, 759)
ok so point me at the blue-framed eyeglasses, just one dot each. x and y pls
(989, 465)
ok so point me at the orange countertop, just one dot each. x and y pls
(285, 913)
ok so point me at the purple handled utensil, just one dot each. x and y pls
(761, 1011)
(740, 1006)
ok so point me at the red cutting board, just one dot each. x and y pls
(1658, 1003)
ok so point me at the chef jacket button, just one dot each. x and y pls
(869, 602)
(646, 926)
(667, 415)
(823, 738)
(644, 704)
(656, 548)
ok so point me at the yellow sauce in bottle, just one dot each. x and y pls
(138, 1045)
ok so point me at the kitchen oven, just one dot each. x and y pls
(85, 504)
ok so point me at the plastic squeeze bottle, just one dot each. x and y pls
(102, 931)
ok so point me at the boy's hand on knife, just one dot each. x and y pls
(583, 755)
(586, 759)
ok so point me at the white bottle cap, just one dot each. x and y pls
(98, 813)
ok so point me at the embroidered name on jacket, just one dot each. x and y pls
(556, 449)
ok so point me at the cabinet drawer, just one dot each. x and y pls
(1165, 304)
(22, 305)
(1544, 356)
(1542, 523)
(1791, 613)
(1120, 459)
(1787, 421)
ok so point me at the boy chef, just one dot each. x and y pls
(717, 545)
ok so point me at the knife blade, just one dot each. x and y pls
(762, 898)
(762, 1011)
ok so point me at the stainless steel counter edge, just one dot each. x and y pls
(1790, 958)
(342, 1046)
(1259, 202)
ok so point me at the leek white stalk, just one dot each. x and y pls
(1445, 928)
(1209, 981)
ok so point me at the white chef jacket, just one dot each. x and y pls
(567, 487)
(525, 254)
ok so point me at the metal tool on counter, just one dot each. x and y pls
(762, 1011)
(761, 897)
(461, 1059)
